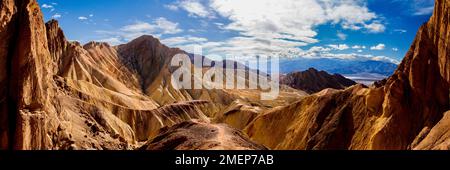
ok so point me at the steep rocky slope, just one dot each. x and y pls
(56, 94)
(313, 81)
(26, 69)
(406, 112)
(7, 12)
(61, 95)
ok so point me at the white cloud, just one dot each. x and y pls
(139, 27)
(284, 25)
(82, 18)
(422, 7)
(319, 49)
(384, 58)
(269, 27)
(50, 7)
(47, 6)
(246, 46)
(353, 56)
(194, 7)
(159, 26)
(180, 41)
(339, 46)
(171, 7)
(91, 15)
(324, 52)
(252, 46)
(375, 27)
(424, 11)
(112, 41)
(167, 27)
(400, 31)
(357, 47)
(350, 13)
(56, 16)
(341, 36)
(417, 7)
(394, 49)
(378, 47)
(204, 24)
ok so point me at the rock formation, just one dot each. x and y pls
(407, 112)
(60, 95)
(56, 94)
(313, 81)
(26, 71)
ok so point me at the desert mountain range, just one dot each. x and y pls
(56, 94)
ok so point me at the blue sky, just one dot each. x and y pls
(347, 29)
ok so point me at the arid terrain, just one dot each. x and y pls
(57, 94)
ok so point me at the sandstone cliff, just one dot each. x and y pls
(407, 112)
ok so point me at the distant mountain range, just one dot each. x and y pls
(338, 66)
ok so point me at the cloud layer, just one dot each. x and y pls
(287, 28)
(278, 27)
(293, 20)
(159, 26)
